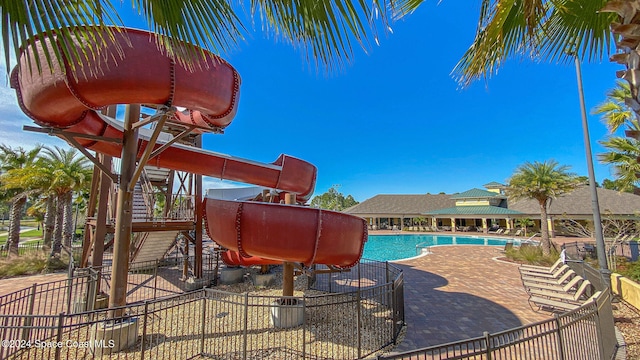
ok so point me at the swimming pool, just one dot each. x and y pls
(402, 246)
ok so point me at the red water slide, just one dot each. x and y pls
(69, 99)
(132, 70)
(286, 232)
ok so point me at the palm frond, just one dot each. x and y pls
(614, 111)
(324, 29)
(548, 30)
(623, 157)
(59, 22)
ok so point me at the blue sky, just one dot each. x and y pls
(394, 120)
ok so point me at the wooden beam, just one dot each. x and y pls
(162, 112)
(122, 241)
(93, 159)
(147, 151)
(197, 268)
(176, 138)
(91, 210)
(101, 216)
(54, 131)
(287, 267)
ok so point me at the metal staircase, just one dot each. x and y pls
(152, 246)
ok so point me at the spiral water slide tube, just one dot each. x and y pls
(65, 97)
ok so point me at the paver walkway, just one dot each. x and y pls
(18, 283)
(458, 292)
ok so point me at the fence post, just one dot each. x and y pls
(246, 325)
(69, 293)
(5, 330)
(598, 323)
(487, 339)
(359, 315)
(204, 320)
(304, 326)
(155, 279)
(386, 267)
(92, 291)
(59, 335)
(28, 321)
(144, 330)
(556, 317)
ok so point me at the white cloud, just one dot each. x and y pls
(12, 119)
(213, 183)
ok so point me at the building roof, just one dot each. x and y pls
(493, 184)
(578, 202)
(477, 194)
(401, 204)
(575, 204)
(474, 210)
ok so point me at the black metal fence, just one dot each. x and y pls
(155, 279)
(51, 298)
(23, 249)
(587, 249)
(362, 316)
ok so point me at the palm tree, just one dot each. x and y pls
(543, 182)
(325, 30)
(69, 172)
(623, 152)
(524, 223)
(551, 30)
(623, 156)
(615, 112)
(13, 162)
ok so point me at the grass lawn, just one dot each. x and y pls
(35, 233)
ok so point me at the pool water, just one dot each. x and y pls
(402, 246)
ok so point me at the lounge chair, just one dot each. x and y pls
(583, 291)
(553, 305)
(542, 269)
(518, 232)
(506, 232)
(493, 229)
(568, 275)
(572, 285)
(538, 275)
(499, 231)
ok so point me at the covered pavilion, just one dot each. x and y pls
(486, 210)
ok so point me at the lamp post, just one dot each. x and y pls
(597, 222)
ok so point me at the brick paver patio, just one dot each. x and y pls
(458, 292)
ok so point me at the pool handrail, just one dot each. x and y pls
(423, 245)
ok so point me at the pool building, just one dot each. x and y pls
(484, 210)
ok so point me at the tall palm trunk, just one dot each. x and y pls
(57, 232)
(67, 222)
(544, 228)
(14, 224)
(49, 221)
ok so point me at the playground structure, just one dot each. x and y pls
(77, 103)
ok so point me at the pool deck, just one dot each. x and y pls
(459, 292)
(454, 293)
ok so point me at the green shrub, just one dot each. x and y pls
(531, 255)
(31, 264)
(629, 270)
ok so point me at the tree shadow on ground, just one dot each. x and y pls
(434, 316)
